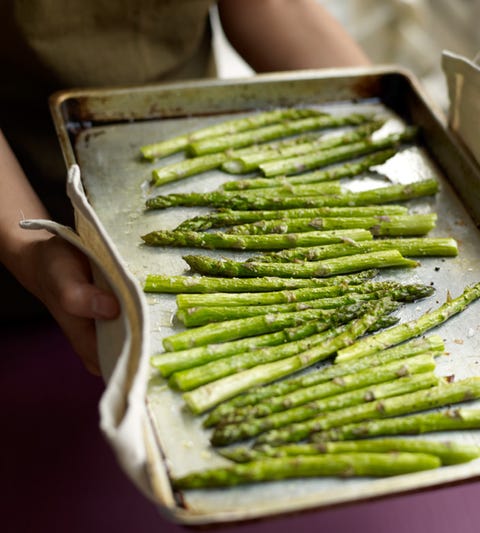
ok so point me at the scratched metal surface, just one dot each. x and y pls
(116, 185)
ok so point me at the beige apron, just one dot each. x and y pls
(49, 45)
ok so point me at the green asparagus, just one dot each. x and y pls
(449, 452)
(309, 161)
(207, 396)
(305, 337)
(199, 316)
(446, 420)
(329, 267)
(204, 284)
(169, 362)
(301, 419)
(242, 201)
(408, 247)
(186, 168)
(275, 145)
(250, 161)
(342, 465)
(443, 394)
(288, 296)
(345, 170)
(229, 217)
(337, 386)
(243, 327)
(220, 197)
(181, 142)
(192, 378)
(408, 330)
(382, 225)
(251, 242)
(271, 132)
(433, 344)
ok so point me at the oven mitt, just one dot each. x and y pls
(122, 344)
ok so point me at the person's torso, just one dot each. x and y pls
(48, 45)
(80, 43)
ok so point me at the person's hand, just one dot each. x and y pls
(50, 268)
(63, 282)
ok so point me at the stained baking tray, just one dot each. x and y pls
(102, 130)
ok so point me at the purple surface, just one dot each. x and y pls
(58, 474)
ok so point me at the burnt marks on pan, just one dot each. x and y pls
(92, 135)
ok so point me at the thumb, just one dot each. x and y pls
(83, 299)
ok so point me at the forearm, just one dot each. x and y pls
(17, 201)
(275, 35)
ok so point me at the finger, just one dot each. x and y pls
(70, 285)
(85, 300)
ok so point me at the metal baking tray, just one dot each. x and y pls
(102, 130)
